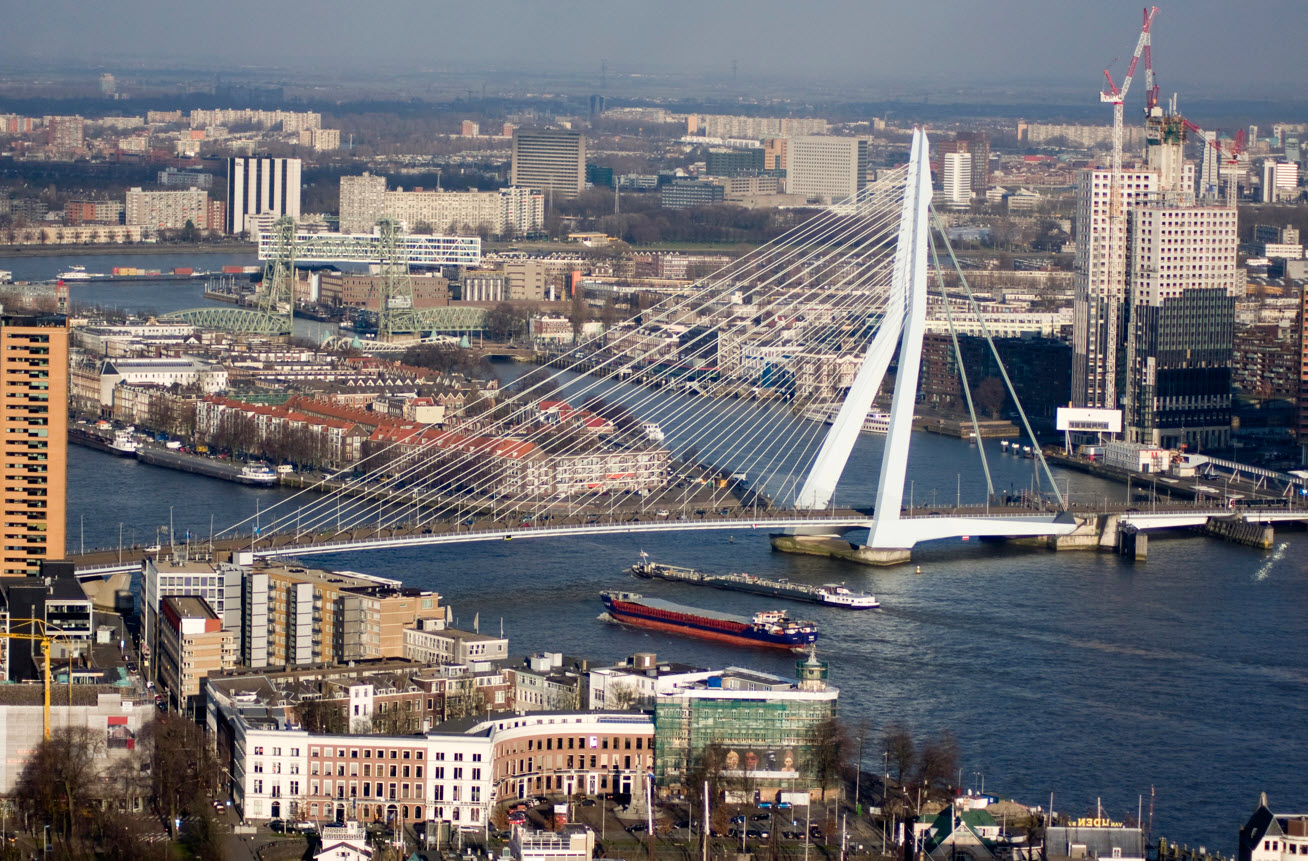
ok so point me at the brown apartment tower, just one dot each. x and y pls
(33, 457)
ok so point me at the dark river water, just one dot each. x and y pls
(1076, 673)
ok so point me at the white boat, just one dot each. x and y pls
(654, 432)
(257, 473)
(124, 443)
(876, 422)
(77, 273)
(834, 593)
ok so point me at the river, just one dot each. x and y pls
(1079, 674)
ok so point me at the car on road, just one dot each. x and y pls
(760, 817)
(637, 828)
(758, 834)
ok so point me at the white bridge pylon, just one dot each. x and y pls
(890, 537)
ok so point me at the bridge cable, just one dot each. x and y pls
(985, 330)
(962, 370)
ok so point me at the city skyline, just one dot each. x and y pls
(1016, 42)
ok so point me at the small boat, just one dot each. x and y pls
(876, 422)
(124, 444)
(654, 432)
(257, 473)
(77, 273)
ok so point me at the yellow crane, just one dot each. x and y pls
(44, 638)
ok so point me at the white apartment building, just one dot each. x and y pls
(163, 371)
(365, 201)
(825, 167)
(752, 128)
(1091, 290)
(639, 681)
(261, 186)
(435, 642)
(282, 773)
(956, 178)
(167, 210)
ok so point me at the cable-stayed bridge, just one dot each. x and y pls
(734, 404)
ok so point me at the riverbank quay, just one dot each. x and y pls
(125, 248)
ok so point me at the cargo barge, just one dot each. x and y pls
(259, 475)
(829, 594)
(121, 444)
(771, 628)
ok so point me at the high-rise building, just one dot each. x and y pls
(977, 144)
(826, 167)
(67, 135)
(1179, 320)
(256, 186)
(33, 456)
(363, 202)
(956, 178)
(1091, 290)
(551, 160)
(1180, 325)
(1280, 179)
(1209, 172)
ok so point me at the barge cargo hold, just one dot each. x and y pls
(829, 594)
(771, 628)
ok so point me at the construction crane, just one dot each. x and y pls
(1116, 96)
(44, 638)
(1226, 153)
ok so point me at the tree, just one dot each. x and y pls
(829, 748)
(184, 770)
(578, 314)
(189, 232)
(622, 696)
(55, 785)
(938, 762)
(505, 323)
(321, 716)
(898, 742)
(990, 395)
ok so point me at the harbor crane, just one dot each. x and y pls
(1116, 96)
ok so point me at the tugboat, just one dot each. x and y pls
(772, 628)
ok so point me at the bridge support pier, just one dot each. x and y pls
(838, 548)
(1237, 530)
(1133, 543)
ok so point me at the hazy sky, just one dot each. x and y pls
(1256, 47)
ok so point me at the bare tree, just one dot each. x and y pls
(898, 742)
(56, 784)
(938, 763)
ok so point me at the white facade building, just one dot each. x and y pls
(365, 201)
(956, 178)
(259, 186)
(159, 372)
(167, 210)
(826, 167)
(1091, 289)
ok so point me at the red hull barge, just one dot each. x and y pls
(770, 628)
